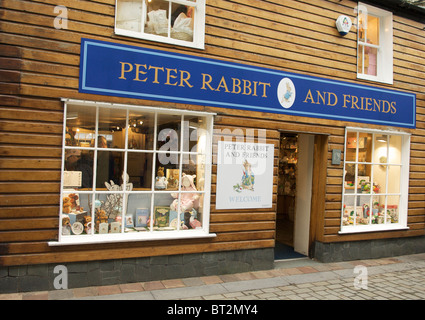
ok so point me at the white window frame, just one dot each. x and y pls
(385, 48)
(198, 29)
(404, 182)
(149, 235)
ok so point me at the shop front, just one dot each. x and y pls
(138, 148)
(143, 173)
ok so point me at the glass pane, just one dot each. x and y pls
(370, 61)
(80, 125)
(129, 15)
(139, 169)
(362, 25)
(379, 178)
(194, 165)
(395, 149)
(78, 166)
(348, 213)
(75, 214)
(168, 172)
(363, 178)
(373, 30)
(378, 210)
(169, 129)
(394, 175)
(363, 210)
(381, 150)
(112, 123)
(393, 203)
(137, 218)
(182, 19)
(141, 133)
(365, 147)
(194, 134)
(108, 213)
(158, 14)
(110, 167)
(349, 179)
(367, 60)
(351, 146)
(165, 211)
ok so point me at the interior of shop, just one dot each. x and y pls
(286, 200)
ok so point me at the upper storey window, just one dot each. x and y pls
(180, 22)
(375, 44)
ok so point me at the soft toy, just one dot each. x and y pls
(66, 226)
(66, 205)
(161, 181)
(74, 200)
(101, 217)
(187, 200)
(87, 224)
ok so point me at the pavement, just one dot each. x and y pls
(395, 278)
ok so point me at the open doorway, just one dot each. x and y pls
(294, 195)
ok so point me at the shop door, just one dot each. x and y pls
(294, 195)
(304, 180)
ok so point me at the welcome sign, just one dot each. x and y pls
(136, 72)
(244, 175)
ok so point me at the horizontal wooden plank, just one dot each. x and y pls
(28, 224)
(33, 139)
(28, 199)
(124, 253)
(40, 247)
(21, 163)
(29, 175)
(241, 226)
(29, 212)
(29, 187)
(243, 217)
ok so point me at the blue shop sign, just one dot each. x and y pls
(136, 72)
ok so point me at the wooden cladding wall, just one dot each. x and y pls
(40, 64)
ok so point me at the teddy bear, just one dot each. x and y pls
(101, 217)
(87, 224)
(73, 198)
(187, 200)
(66, 205)
(66, 225)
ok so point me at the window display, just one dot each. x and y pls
(375, 180)
(131, 170)
(180, 21)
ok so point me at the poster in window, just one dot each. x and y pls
(244, 175)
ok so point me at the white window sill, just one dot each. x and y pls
(374, 78)
(131, 236)
(152, 37)
(372, 228)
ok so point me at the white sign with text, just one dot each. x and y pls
(244, 175)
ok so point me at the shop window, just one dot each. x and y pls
(374, 44)
(376, 176)
(180, 22)
(134, 173)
